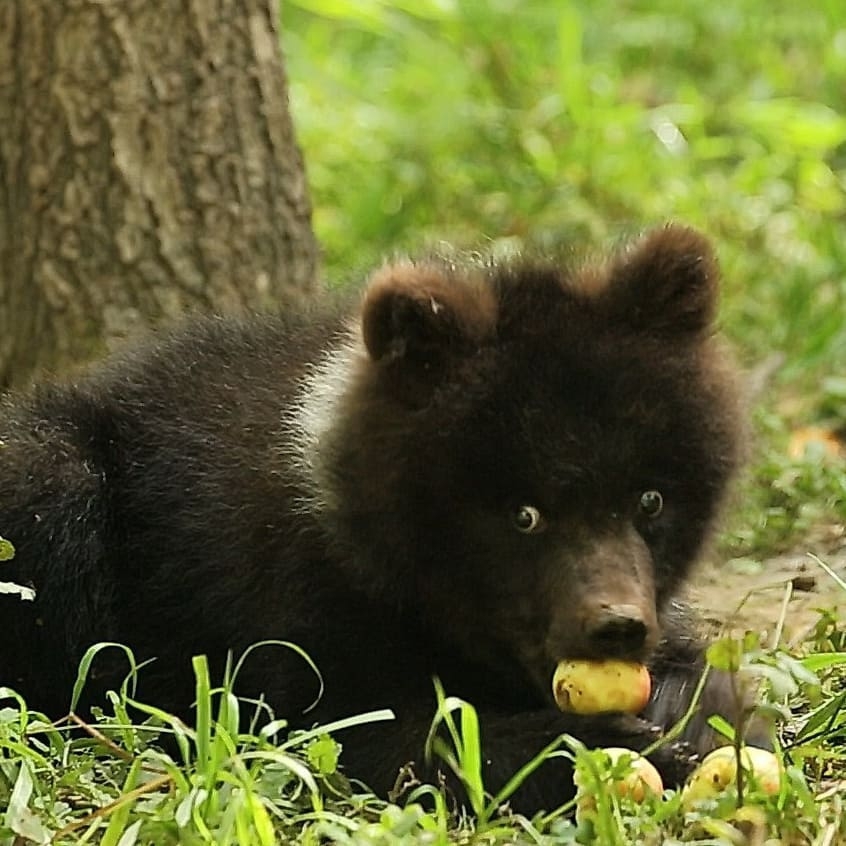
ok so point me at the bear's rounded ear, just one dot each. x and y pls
(667, 283)
(420, 313)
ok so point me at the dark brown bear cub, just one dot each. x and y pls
(484, 470)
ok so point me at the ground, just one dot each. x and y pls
(719, 591)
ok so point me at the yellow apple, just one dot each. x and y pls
(595, 687)
(641, 779)
(718, 770)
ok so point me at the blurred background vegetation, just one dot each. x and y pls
(520, 122)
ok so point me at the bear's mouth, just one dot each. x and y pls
(639, 651)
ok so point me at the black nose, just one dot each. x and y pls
(617, 630)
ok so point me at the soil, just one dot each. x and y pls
(740, 595)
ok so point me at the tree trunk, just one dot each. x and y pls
(147, 167)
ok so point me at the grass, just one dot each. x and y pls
(111, 783)
(788, 501)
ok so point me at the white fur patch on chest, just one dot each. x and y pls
(311, 421)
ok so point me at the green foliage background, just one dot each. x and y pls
(536, 121)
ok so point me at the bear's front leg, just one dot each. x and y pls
(378, 753)
(677, 670)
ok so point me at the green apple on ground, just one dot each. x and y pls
(718, 771)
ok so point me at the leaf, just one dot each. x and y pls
(835, 386)
(322, 754)
(722, 726)
(725, 654)
(824, 715)
(185, 809)
(365, 13)
(800, 670)
(130, 836)
(822, 661)
(261, 821)
(571, 67)
(781, 681)
(798, 123)
(25, 593)
(19, 818)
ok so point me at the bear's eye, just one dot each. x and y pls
(651, 503)
(527, 519)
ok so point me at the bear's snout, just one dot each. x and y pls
(601, 598)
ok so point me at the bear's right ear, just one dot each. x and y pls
(421, 314)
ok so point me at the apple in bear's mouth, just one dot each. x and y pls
(596, 687)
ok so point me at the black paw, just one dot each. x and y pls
(675, 760)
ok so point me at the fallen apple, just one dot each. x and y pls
(595, 687)
(640, 780)
(718, 771)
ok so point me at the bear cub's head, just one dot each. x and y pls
(527, 458)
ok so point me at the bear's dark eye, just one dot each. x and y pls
(651, 503)
(527, 519)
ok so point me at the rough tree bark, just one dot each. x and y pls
(147, 166)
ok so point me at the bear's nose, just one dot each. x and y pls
(617, 630)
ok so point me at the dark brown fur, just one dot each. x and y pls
(355, 490)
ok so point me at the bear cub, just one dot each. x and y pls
(480, 470)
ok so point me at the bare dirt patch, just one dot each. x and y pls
(718, 591)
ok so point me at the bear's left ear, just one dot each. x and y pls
(421, 314)
(668, 283)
